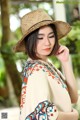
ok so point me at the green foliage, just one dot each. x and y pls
(0, 34)
(72, 41)
(55, 61)
(18, 33)
(18, 7)
(2, 73)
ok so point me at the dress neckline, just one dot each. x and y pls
(42, 61)
(52, 66)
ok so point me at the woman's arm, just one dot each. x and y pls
(63, 56)
(70, 81)
(68, 115)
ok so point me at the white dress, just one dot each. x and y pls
(44, 92)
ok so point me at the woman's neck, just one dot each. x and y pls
(45, 59)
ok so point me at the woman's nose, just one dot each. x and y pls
(47, 41)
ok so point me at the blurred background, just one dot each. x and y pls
(11, 63)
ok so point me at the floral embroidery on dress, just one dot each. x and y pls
(36, 65)
(44, 111)
(23, 96)
(27, 71)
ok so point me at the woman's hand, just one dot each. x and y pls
(76, 113)
(63, 54)
(68, 115)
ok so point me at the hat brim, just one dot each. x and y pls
(62, 29)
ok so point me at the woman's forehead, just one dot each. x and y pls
(45, 29)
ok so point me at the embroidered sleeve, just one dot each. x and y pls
(44, 111)
(38, 105)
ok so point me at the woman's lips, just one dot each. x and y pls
(47, 49)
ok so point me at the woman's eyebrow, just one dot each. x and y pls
(44, 34)
(41, 34)
(51, 33)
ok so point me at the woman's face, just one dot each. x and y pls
(45, 42)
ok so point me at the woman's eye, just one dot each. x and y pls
(40, 38)
(51, 36)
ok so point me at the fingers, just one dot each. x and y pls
(62, 49)
(63, 53)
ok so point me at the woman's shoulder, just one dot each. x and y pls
(33, 65)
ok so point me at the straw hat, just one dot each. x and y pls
(37, 19)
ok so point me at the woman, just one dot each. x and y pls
(46, 94)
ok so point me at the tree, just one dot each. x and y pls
(6, 52)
